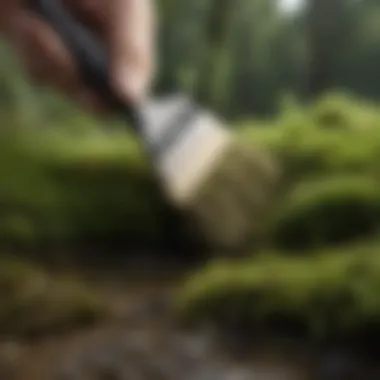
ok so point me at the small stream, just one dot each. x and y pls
(142, 343)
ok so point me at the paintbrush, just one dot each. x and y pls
(221, 184)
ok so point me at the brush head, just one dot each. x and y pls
(230, 207)
(184, 142)
(223, 185)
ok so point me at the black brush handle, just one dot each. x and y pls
(89, 53)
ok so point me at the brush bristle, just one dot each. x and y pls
(229, 207)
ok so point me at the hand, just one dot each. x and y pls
(126, 26)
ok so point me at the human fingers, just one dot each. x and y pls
(47, 61)
(132, 48)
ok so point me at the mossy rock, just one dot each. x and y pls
(94, 188)
(333, 111)
(327, 211)
(305, 149)
(344, 112)
(332, 294)
(35, 303)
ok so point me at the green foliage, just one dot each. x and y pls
(321, 212)
(334, 293)
(33, 302)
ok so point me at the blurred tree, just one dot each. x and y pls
(238, 57)
(344, 46)
(359, 65)
(329, 28)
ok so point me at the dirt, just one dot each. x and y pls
(141, 342)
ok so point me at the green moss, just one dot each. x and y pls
(306, 147)
(33, 302)
(327, 211)
(69, 187)
(345, 112)
(334, 293)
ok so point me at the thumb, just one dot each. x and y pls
(132, 45)
(132, 80)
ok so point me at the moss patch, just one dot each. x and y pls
(333, 293)
(327, 211)
(33, 302)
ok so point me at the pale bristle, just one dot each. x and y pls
(228, 208)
